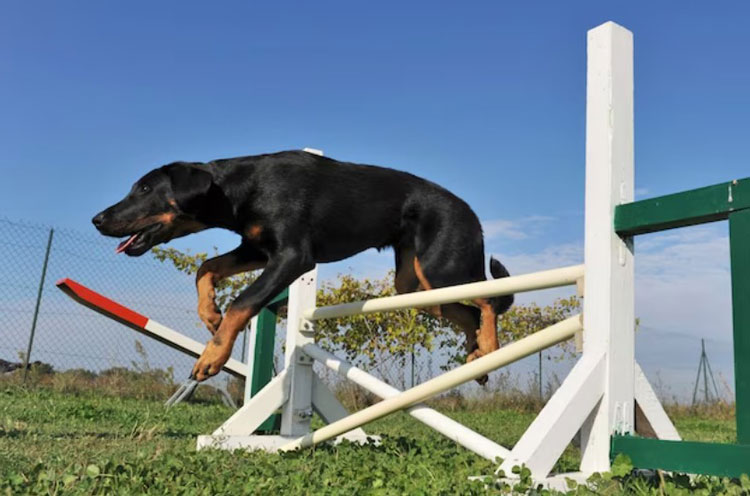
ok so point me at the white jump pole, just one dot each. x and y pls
(554, 278)
(446, 426)
(515, 351)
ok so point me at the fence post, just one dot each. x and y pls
(541, 386)
(26, 359)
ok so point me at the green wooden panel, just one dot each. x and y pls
(279, 301)
(687, 208)
(730, 460)
(262, 372)
(263, 354)
(739, 245)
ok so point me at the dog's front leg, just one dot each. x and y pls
(242, 259)
(280, 272)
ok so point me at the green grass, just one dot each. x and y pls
(55, 443)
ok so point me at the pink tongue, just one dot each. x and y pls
(122, 246)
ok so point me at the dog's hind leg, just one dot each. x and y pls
(487, 341)
(410, 277)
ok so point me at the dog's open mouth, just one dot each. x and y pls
(138, 239)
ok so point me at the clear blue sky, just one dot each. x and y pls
(485, 98)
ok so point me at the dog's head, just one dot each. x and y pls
(162, 205)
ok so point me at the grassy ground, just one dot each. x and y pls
(55, 443)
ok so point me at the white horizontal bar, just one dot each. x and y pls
(531, 344)
(508, 285)
(451, 429)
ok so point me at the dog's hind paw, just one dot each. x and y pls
(473, 356)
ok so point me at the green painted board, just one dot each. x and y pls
(729, 460)
(688, 208)
(262, 372)
(739, 247)
(279, 301)
(265, 342)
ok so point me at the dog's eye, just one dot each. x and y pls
(145, 188)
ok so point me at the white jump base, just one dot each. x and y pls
(597, 397)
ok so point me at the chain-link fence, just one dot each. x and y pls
(67, 335)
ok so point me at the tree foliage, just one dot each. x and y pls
(375, 337)
(226, 290)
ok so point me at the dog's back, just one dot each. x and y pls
(343, 207)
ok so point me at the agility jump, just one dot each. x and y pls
(600, 394)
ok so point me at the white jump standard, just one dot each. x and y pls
(598, 396)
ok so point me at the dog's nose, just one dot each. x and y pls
(98, 219)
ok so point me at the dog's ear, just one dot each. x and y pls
(190, 185)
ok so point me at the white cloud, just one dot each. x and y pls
(641, 192)
(683, 282)
(682, 279)
(515, 229)
(550, 257)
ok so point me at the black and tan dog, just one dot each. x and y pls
(295, 209)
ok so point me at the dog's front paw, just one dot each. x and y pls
(210, 315)
(213, 358)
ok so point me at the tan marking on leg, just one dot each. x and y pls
(209, 275)
(420, 275)
(219, 348)
(425, 285)
(207, 310)
(487, 341)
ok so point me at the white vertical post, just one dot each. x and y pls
(297, 412)
(609, 318)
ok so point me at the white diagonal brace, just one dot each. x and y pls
(328, 407)
(517, 350)
(548, 435)
(258, 409)
(652, 408)
(446, 426)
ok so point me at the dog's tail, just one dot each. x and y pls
(500, 304)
